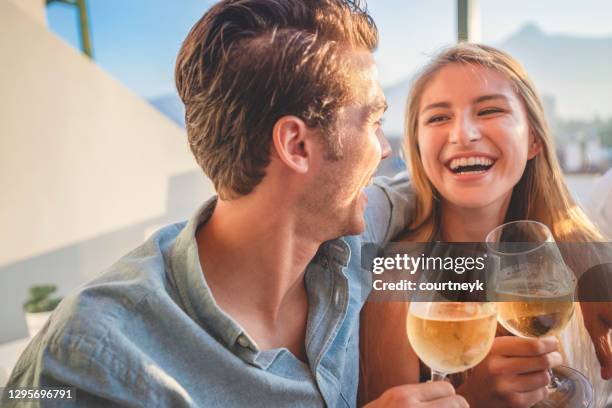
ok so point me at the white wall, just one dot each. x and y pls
(33, 8)
(85, 166)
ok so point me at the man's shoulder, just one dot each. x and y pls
(391, 207)
(100, 331)
(397, 189)
(112, 301)
(141, 273)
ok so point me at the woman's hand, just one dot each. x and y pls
(514, 374)
(439, 394)
(598, 322)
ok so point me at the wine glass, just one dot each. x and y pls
(451, 337)
(451, 331)
(534, 290)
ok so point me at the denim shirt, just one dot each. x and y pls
(148, 332)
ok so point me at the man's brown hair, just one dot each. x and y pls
(247, 63)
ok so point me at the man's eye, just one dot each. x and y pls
(380, 121)
(489, 111)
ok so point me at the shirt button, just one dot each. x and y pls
(243, 341)
(337, 297)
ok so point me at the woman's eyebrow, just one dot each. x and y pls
(484, 98)
(479, 99)
(436, 105)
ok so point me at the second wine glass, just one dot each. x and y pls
(534, 290)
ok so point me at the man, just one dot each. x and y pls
(255, 301)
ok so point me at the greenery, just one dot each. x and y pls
(40, 299)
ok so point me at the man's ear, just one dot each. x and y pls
(535, 145)
(291, 143)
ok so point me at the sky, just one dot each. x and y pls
(136, 41)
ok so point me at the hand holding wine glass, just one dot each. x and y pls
(535, 297)
(513, 375)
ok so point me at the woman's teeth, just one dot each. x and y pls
(474, 164)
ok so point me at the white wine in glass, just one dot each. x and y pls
(535, 311)
(451, 337)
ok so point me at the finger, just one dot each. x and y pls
(520, 365)
(528, 399)
(455, 401)
(524, 382)
(434, 390)
(524, 347)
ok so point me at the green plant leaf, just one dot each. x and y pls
(40, 300)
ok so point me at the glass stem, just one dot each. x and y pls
(554, 381)
(437, 375)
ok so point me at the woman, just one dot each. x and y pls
(480, 155)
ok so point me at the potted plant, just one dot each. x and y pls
(39, 306)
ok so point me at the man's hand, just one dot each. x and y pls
(514, 374)
(439, 394)
(598, 321)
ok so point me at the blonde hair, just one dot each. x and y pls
(540, 194)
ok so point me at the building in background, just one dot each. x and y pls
(88, 166)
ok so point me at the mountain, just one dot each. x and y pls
(171, 106)
(576, 71)
(574, 74)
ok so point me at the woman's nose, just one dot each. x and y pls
(464, 131)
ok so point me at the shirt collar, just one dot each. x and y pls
(336, 250)
(195, 293)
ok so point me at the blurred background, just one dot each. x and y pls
(93, 151)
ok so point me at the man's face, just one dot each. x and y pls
(336, 194)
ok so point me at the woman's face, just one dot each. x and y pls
(473, 135)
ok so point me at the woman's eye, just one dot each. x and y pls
(380, 122)
(489, 111)
(436, 119)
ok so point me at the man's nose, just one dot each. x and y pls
(385, 147)
(464, 131)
